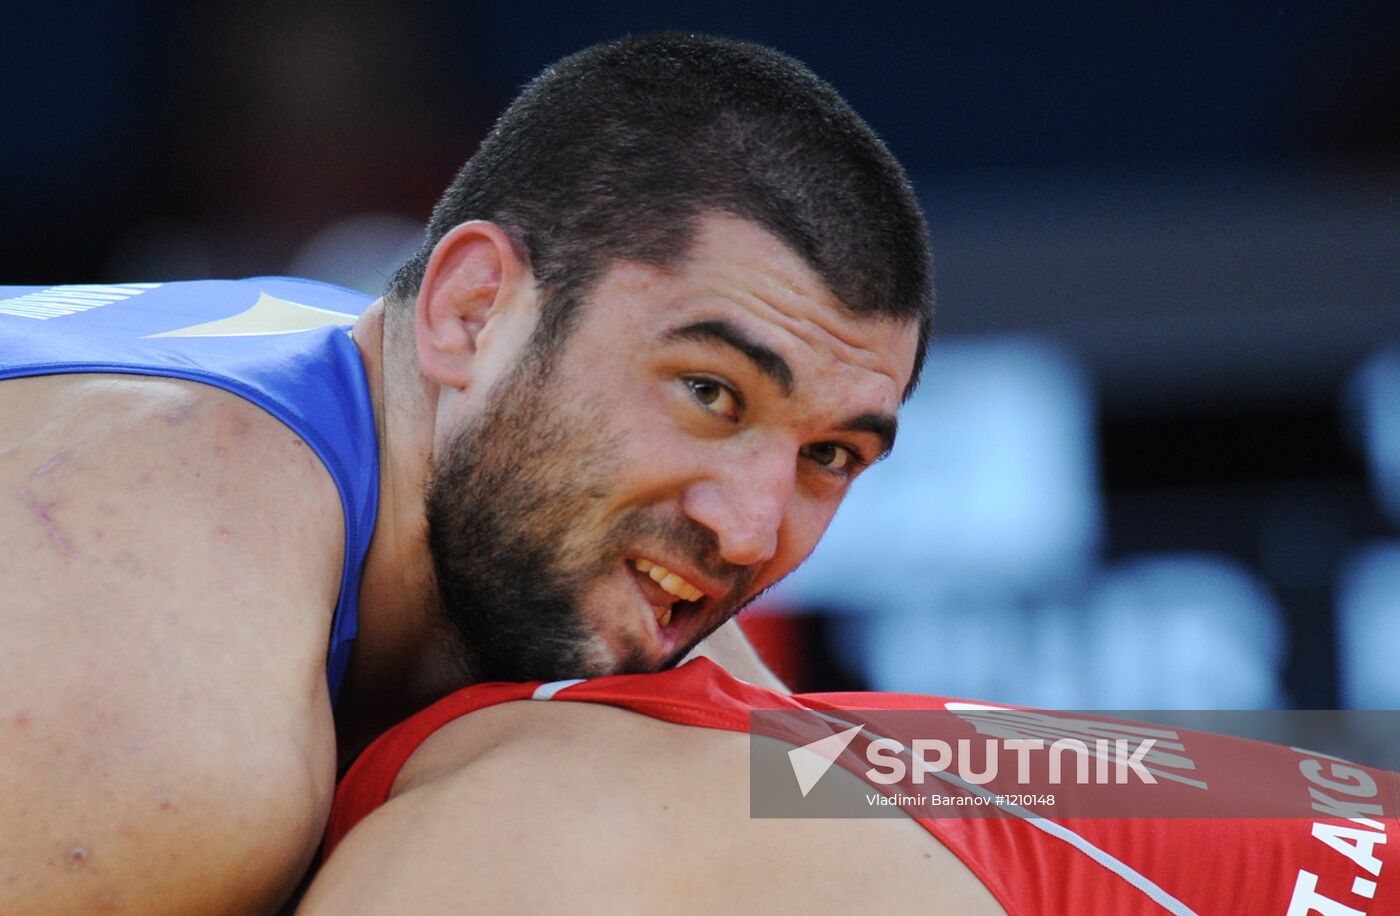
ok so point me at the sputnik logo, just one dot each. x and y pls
(811, 761)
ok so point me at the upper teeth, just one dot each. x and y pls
(668, 580)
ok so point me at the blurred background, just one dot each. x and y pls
(1155, 460)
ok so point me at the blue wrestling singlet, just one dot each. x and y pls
(278, 342)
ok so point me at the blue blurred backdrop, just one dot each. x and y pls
(1156, 458)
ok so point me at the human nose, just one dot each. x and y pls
(744, 502)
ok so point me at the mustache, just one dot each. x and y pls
(684, 537)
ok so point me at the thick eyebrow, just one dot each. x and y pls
(717, 330)
(771, 364)
(882, 425)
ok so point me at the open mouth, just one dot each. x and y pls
(672, 598)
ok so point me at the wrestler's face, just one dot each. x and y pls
(697, 427)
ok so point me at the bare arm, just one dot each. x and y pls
(165, 740)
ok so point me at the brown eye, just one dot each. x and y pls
(714, 397)
(832, 457)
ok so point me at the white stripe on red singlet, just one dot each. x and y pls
(548, 690)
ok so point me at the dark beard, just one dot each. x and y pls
(505, 506)
(499, 504)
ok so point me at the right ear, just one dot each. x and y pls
(473, 274)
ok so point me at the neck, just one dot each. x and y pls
(398, 662)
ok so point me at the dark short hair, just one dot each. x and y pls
(615, 152)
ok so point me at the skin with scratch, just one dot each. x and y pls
(170, 581)
(480, 812)
(43, 513)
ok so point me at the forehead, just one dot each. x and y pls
(738, 271)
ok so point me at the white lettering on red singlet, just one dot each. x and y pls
(1357, 844)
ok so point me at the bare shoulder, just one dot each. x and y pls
(156, 496)
(96, 468)
(169, 561)
(602, 810)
